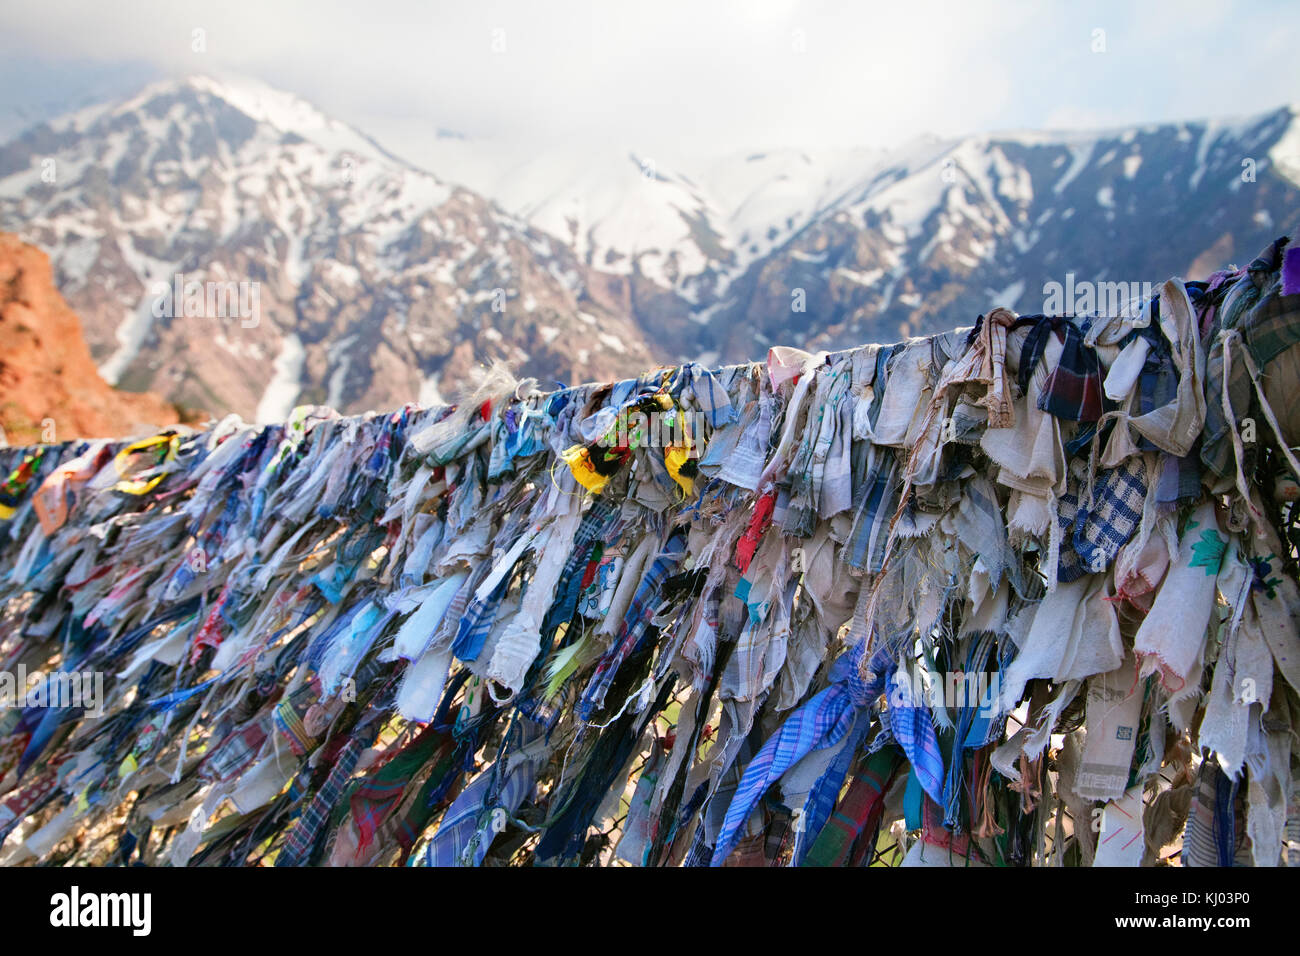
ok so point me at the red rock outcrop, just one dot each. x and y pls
(49, 386)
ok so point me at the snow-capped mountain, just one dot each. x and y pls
(881, 244)
(684, 224)
(381, 281)
(375, 281)
(940, 231)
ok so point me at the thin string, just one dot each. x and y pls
(1229, 337)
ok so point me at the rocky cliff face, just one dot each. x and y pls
(50, 389)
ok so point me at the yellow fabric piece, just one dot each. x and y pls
(141, 486)
(675, 458)
(579, 461)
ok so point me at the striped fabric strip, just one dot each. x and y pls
(306, 831)
(821, 722)
(635, 624)
(913, 728)
(865, 547)
(847, 839)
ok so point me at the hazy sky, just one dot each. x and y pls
(676, 75)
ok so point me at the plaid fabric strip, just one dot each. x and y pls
(601, 523)
(1070, 566)
(710, 397)
(935, 833)
(820, 802)
(476, 623)
(974, 725)
(700, 852)
(1073, 390)
(865, 547)
(309, 826)
(807, 471)
(913, 729)
(288, 716)
(847, 839)
(821, 722)
(1270, 323)
(518, 788)
(1210, 836)
(432, 797)
(481, 610)
(237, 751)
(1198, 837)
(885, 362)
(456, 610)
(1092, 537)
(379, 794)
(635, 624)
(1034, 345)
(1157, 383)
(752, 661)
(1180, 479)
(466, 832)
(459, 824)
(1273, 325)
(770, 846)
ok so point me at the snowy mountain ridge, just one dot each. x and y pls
(383, 282)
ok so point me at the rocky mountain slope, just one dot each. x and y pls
(374, 282)
(880, 244)
(379, 282)
(943, 231)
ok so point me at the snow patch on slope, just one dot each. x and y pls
(1285, 154)
(286, 382)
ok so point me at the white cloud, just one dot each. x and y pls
(693, 74)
